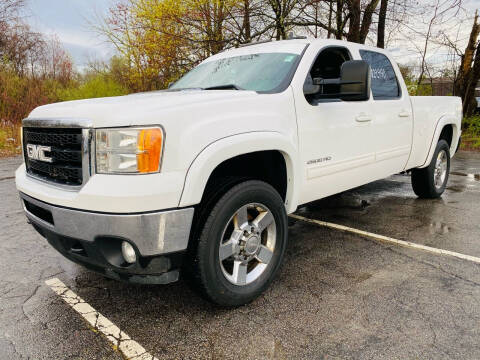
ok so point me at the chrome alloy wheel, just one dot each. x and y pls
(247, 244)
(441, 167)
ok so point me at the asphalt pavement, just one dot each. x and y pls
(338, 295)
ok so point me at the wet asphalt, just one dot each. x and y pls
(338, 295)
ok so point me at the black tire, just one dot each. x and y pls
(423, 180)
(206, 269)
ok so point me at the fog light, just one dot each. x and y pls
(128, 253)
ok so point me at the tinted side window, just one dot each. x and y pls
(384, 81)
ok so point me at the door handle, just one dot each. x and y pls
(363, 118)
(404, 113)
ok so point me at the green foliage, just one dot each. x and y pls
(19, 95)
(418, 90)
(9, 143)
(93, 87)
(424, 90)
(471, 133)
(472, 124)
(407, 73)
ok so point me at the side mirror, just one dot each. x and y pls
(309, 87)
(355, 81)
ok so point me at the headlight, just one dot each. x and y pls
(129, 150)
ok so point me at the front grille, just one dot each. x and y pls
(47, 136)
(66, 154)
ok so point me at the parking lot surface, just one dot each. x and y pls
(338, 295)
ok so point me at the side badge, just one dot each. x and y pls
(318, 161)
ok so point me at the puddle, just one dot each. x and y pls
(339, 201)
(470, 176)
(456, 189)
(439, 228)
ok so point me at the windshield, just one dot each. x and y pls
(257, 72)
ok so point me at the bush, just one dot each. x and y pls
(19, 95)
(93, 87)
(471, 133)
(9, 139)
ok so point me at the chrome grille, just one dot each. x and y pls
(66, 154)
(71, 138)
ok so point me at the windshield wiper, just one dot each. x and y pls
(224, 87)
(183, 89)
(216, 87)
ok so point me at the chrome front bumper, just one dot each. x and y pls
(153, 233)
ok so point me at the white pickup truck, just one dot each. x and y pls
(200, 177)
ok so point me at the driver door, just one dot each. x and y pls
(336, 138)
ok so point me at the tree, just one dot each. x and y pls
(316, 17)
(161, 39)
(349, 19)
(382, 17)
(58, 63)
(282, 13)
(148, 36)
(360, 26)
(248, 20)
(422, 27)
(469, 71)
(9, 10)
(32, 66)
(8, 13)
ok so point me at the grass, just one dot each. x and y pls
(9, 140)
(471, 133)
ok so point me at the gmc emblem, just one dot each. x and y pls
(37, 152)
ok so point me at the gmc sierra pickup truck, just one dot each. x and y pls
(199, 178)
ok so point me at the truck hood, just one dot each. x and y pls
(192, 119)
(142, 108)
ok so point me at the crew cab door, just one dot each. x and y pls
(336, 138)
(392, 119)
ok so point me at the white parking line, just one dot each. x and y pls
(129, 348)
(387, 239)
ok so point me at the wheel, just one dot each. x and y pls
(430, 182)
(241, 244)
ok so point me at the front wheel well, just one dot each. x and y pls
(268, 166)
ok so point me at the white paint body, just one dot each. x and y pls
(205, 128)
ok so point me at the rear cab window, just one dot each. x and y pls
(385, 85)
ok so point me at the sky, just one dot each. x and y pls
(69, 20)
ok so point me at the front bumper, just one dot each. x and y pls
(94, 239)
(115, 194)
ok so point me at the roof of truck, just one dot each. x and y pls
(294, 46)
(308, 40)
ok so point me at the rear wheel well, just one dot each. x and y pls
(447, 134)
